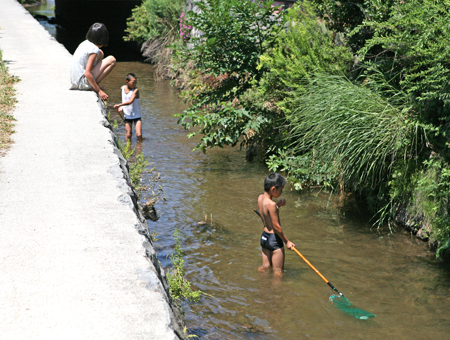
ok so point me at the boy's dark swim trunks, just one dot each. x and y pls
(271, 241)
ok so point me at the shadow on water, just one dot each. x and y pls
(391, 275)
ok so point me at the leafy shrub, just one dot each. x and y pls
(155, 24)
(303, 170)
(235, 35)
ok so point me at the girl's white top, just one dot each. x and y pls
(131, 111)
(78, 65)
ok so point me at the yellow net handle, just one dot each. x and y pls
(317, 272)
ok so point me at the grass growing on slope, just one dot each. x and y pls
(7, 102)
(354, 130)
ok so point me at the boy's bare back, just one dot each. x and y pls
(269, 211)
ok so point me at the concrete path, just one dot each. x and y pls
(72, 262)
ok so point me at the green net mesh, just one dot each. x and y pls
(344, 305)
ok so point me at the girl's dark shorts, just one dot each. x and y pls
(271, 241)
(131, 121)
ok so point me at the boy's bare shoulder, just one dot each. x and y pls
(266, 202)
(270, 204)
(261, 199)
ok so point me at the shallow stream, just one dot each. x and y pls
(392, 275)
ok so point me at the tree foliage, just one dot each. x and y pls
(415, 54)
(154, 19)
(346, 15)
(303, 49)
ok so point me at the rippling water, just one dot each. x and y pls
(391, 275)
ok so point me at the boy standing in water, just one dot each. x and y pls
(130, 107)
(273, 237)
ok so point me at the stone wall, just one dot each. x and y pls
(154, 276)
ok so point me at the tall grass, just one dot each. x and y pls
(354, 130)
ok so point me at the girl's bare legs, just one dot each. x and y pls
(128, 129)
(138, 128)
(103, 67)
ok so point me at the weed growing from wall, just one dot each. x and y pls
(425, 194)
(151, 191)
(180, 287)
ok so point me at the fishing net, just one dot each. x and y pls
(344, 305)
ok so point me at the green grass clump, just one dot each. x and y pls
(7, 102)
(180, 287)
(137, 164)
(352, 131)
(149, 192)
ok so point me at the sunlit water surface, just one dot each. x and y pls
(391, 275)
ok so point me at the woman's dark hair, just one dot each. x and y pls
(274, 180)
(98, 34)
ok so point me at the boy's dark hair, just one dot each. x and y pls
(98, 34)
(130, 75)
(274, 180)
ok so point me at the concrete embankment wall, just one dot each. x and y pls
(76, 259)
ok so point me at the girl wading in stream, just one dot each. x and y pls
(130, 107)
(88, 67)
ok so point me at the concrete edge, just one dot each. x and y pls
(154, 277)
